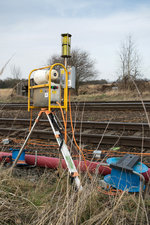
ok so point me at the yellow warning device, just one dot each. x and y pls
(50, 88)
(66, 45)
(51, 83)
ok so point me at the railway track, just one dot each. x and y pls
(83, 124)
(86, 138)
(87, 106)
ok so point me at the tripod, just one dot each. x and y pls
(62, 145)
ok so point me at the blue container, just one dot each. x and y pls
(125, 180)
(21, 160)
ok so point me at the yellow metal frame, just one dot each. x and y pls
(49, 86)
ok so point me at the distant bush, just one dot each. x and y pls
(9, 83)
(102, 81)
(142, 85)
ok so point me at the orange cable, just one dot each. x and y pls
(66, 129)
(110, 152)
(64, 121)
(116, 152)
(32, 143)
(75, 140)
(135, 153)
(111, 192)
(30, 119)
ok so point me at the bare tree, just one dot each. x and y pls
(129, 62)
(85, 66)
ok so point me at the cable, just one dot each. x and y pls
(63, 121)
(30, 119)
(134, 153)
(66, 128)
(111, 192)
(75, 139)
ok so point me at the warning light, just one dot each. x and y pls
(66, 43)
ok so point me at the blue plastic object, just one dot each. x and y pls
(21, 160)
(125, 180)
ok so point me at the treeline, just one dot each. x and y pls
(9, 83)
(132, 84)
(102, 81)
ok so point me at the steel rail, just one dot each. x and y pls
(84, 124)
(131, 141)
(94, 106)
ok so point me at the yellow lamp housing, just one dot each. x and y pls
(66, 45)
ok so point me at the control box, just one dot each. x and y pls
(71, 77)
(41, 95)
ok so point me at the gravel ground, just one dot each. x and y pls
(118, 116)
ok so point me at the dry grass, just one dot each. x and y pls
(113, 95)
(5, 93)
(52, 200)
(86, 93)
(8, 95)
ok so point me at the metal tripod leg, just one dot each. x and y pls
(27, 138)
(65, 152)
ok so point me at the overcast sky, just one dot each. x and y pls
(31, 30)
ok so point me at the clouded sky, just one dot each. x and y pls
(32, 30)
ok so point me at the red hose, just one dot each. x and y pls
(54, 163)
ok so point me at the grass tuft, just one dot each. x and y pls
(52, 200)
